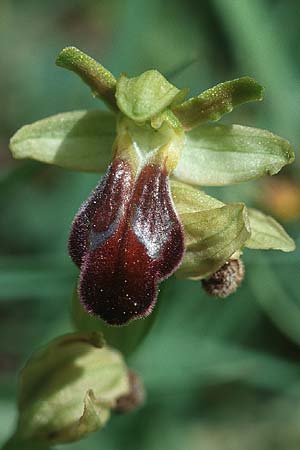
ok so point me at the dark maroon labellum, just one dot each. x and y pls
(126, 238)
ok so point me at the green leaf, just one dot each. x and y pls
(145, 96)
(213, 103)
(99, 79)
(212, 236)
(68, 388)
(126, 339)
(219, 155)
(78, 140)
(267, 233)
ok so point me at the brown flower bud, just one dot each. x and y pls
(136, 397)
(226, 280)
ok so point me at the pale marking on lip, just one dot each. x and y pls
(152, 234)
(97, 238)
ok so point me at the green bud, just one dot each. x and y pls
(68, 388)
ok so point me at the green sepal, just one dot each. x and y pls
(211, 155)
(143, 97)
(211, 238)
(213, 103)
(125, 339)
(68, 388)
(99, 79)
(188, 199)
(78, 140)
(267, 233)
(213, 231)
(218, 155)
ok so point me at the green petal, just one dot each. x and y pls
(212, 237)
(99, 79)
(78, 140)
(213, 103)
(220, 155)
(145, 96)
(267, 233)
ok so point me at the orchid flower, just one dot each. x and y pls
(147, 219)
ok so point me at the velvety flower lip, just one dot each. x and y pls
(113, 193)
(126, 239)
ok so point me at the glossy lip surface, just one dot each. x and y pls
(126, 238)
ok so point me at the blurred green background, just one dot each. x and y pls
(220, 375)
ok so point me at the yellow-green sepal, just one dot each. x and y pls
(219, 155)
(77, 140)
(267, 233)
(213, 231)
